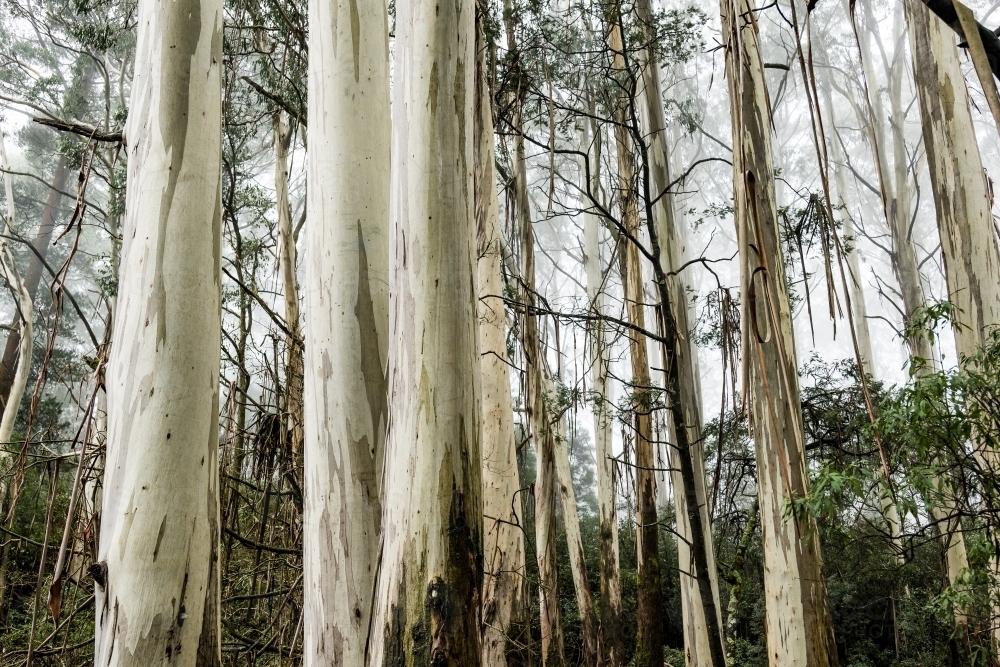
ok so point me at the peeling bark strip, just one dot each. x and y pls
(158, 601)
(965, 223)
(347, 320)
(797, 619)
(504, 588)
(429, 581)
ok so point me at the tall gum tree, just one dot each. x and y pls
(600, 359)
(797, 619)
(894, 190)
(539, 424)
(347, 322)
(290, 286)
(649, 632)
(157, 584)
(962, 207)
(428, 593)
(504, 584)
(697, 645)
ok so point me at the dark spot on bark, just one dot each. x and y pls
(159, 537)
(99, 573)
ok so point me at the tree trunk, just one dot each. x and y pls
(157, 580)
(904, 263)
(611, 594)
(649, 621)
(33, 275)
(862, 330)
(428, 598)
(698, 646)
(347, 311)
(649, 649)
(286, 261)
(962, 205)
(539, 426)
(797, 619)
(592, 651)
(504, 586)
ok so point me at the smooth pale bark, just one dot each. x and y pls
(894, 179)
(33, 275)
(958, 183)
(962, 205)
(25, 316)
(428, 596)
(650, 599)
(894, 191)
(797, 620)
(590, 630)
(347, 322)
(612, 632)
(697, 645)
(649, 621)
(539, 426)
(862, 330)
(504, 584)
(25, 339)
(157, 592)
(286, 263)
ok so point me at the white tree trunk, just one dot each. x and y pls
(347, 322)
(157, 578)
(853, 256)
(797, 621)
(590, 630)
(286, 262)
(504, 586)
(429, 582)
(611, 593)
(965, 223)
(27, 316)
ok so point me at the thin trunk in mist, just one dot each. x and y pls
(894, 176)
(505, 585)
(797, 619)
(962, 207)
(157, 578)
(286, 261)
(428, 594)
(649, 621)
(539, 423)
(611, 594)
(24, 317)
(590, 630)
(33, 274)
(347, 319)
(697, 644)
(841, 202)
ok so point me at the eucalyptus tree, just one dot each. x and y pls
(797, 617)
(962, 202)
(699, 645)
(505, 594)
(347, 322)
(157, 593)
(540, 423)
(428, 596)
